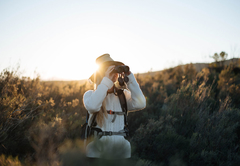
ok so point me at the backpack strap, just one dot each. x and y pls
(87, 117)
(92, 124)
(115, 114)
(88, 129)
(123, 103)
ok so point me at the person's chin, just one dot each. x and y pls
(114, 80)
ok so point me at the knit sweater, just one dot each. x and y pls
(114, 146)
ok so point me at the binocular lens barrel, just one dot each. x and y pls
(121, 69)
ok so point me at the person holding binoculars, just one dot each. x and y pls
(107, 106)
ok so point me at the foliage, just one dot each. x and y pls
(30, 108)
(223, 56)
(191, 118)
(6, 161)
(197, 124)
(229, 85)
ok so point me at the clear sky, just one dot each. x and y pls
(61, 39)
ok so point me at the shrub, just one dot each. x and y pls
(158, 141)
(194, 128)
(6, 161)
(229, 85)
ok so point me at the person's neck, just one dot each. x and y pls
(111, 90)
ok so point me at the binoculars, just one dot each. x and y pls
(122, 77)
(121, 69)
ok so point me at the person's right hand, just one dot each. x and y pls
(109, 73)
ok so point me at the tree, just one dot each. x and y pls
(223, 55)
(215, 57)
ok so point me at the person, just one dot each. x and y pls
(105, 105)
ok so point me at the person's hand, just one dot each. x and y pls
(110, 75)
(128, 73)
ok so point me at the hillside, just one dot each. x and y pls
(191, 118)
(198, 66)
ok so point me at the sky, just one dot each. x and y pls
(60, 40)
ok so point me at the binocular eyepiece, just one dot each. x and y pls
(121, 69)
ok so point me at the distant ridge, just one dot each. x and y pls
(198, 66)
(64, 82)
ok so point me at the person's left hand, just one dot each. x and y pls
(128, 73)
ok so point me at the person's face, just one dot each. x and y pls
(114, 77)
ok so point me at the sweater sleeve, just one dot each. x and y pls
(93, 99)
(135, 98)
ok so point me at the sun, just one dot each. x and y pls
(86, 69)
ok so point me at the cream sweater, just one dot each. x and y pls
(112, 146)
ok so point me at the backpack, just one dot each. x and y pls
(85, 128)
(86, 131)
